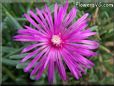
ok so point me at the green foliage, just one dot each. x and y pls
(102, 23)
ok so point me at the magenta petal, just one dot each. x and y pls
(44, 66)
(81, 50)
(87, 53)
(38, 65)
(89, 42)
(69, 64)
(26, 40)
(66, 5)
(82, 46)
(69, 18)
(36, 59)
(33, 31)
(39, 74)
(77, 64)
(31, 21)
(30, 47)
(38, 20)
(55, 13)
(85, 61)
(29, 55)
(82, 18)
(40, 13)
(51, 69)
(32, 53)
(79, 21)
(41, 69)
(60, 67)
(24, 37)
(49, 15)
(60, 15)
(22, 31)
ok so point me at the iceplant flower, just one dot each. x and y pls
(57, 39)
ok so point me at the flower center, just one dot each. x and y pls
(56, 40)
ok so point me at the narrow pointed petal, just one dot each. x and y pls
(48, 22)
(84, 46)
(40, 13)
(41, 70)
(51, 69)
(60, 67)
(81, 35)
(81, 50)
(70, 64)
(30, 47)
(55, 13)
(66, 5)
(30, 65)
(69, 18)
(32, 21)
(33, 32)
(49, 15)
(29, 55)
(79, 21)
(32, 54)
(38, 65)
(38, 20)
(89, 42)
(44, 66)
(84, 61)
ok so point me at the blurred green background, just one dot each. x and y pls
(102, 22)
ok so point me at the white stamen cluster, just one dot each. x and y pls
(56, 40)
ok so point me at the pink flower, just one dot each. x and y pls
(57, 39)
